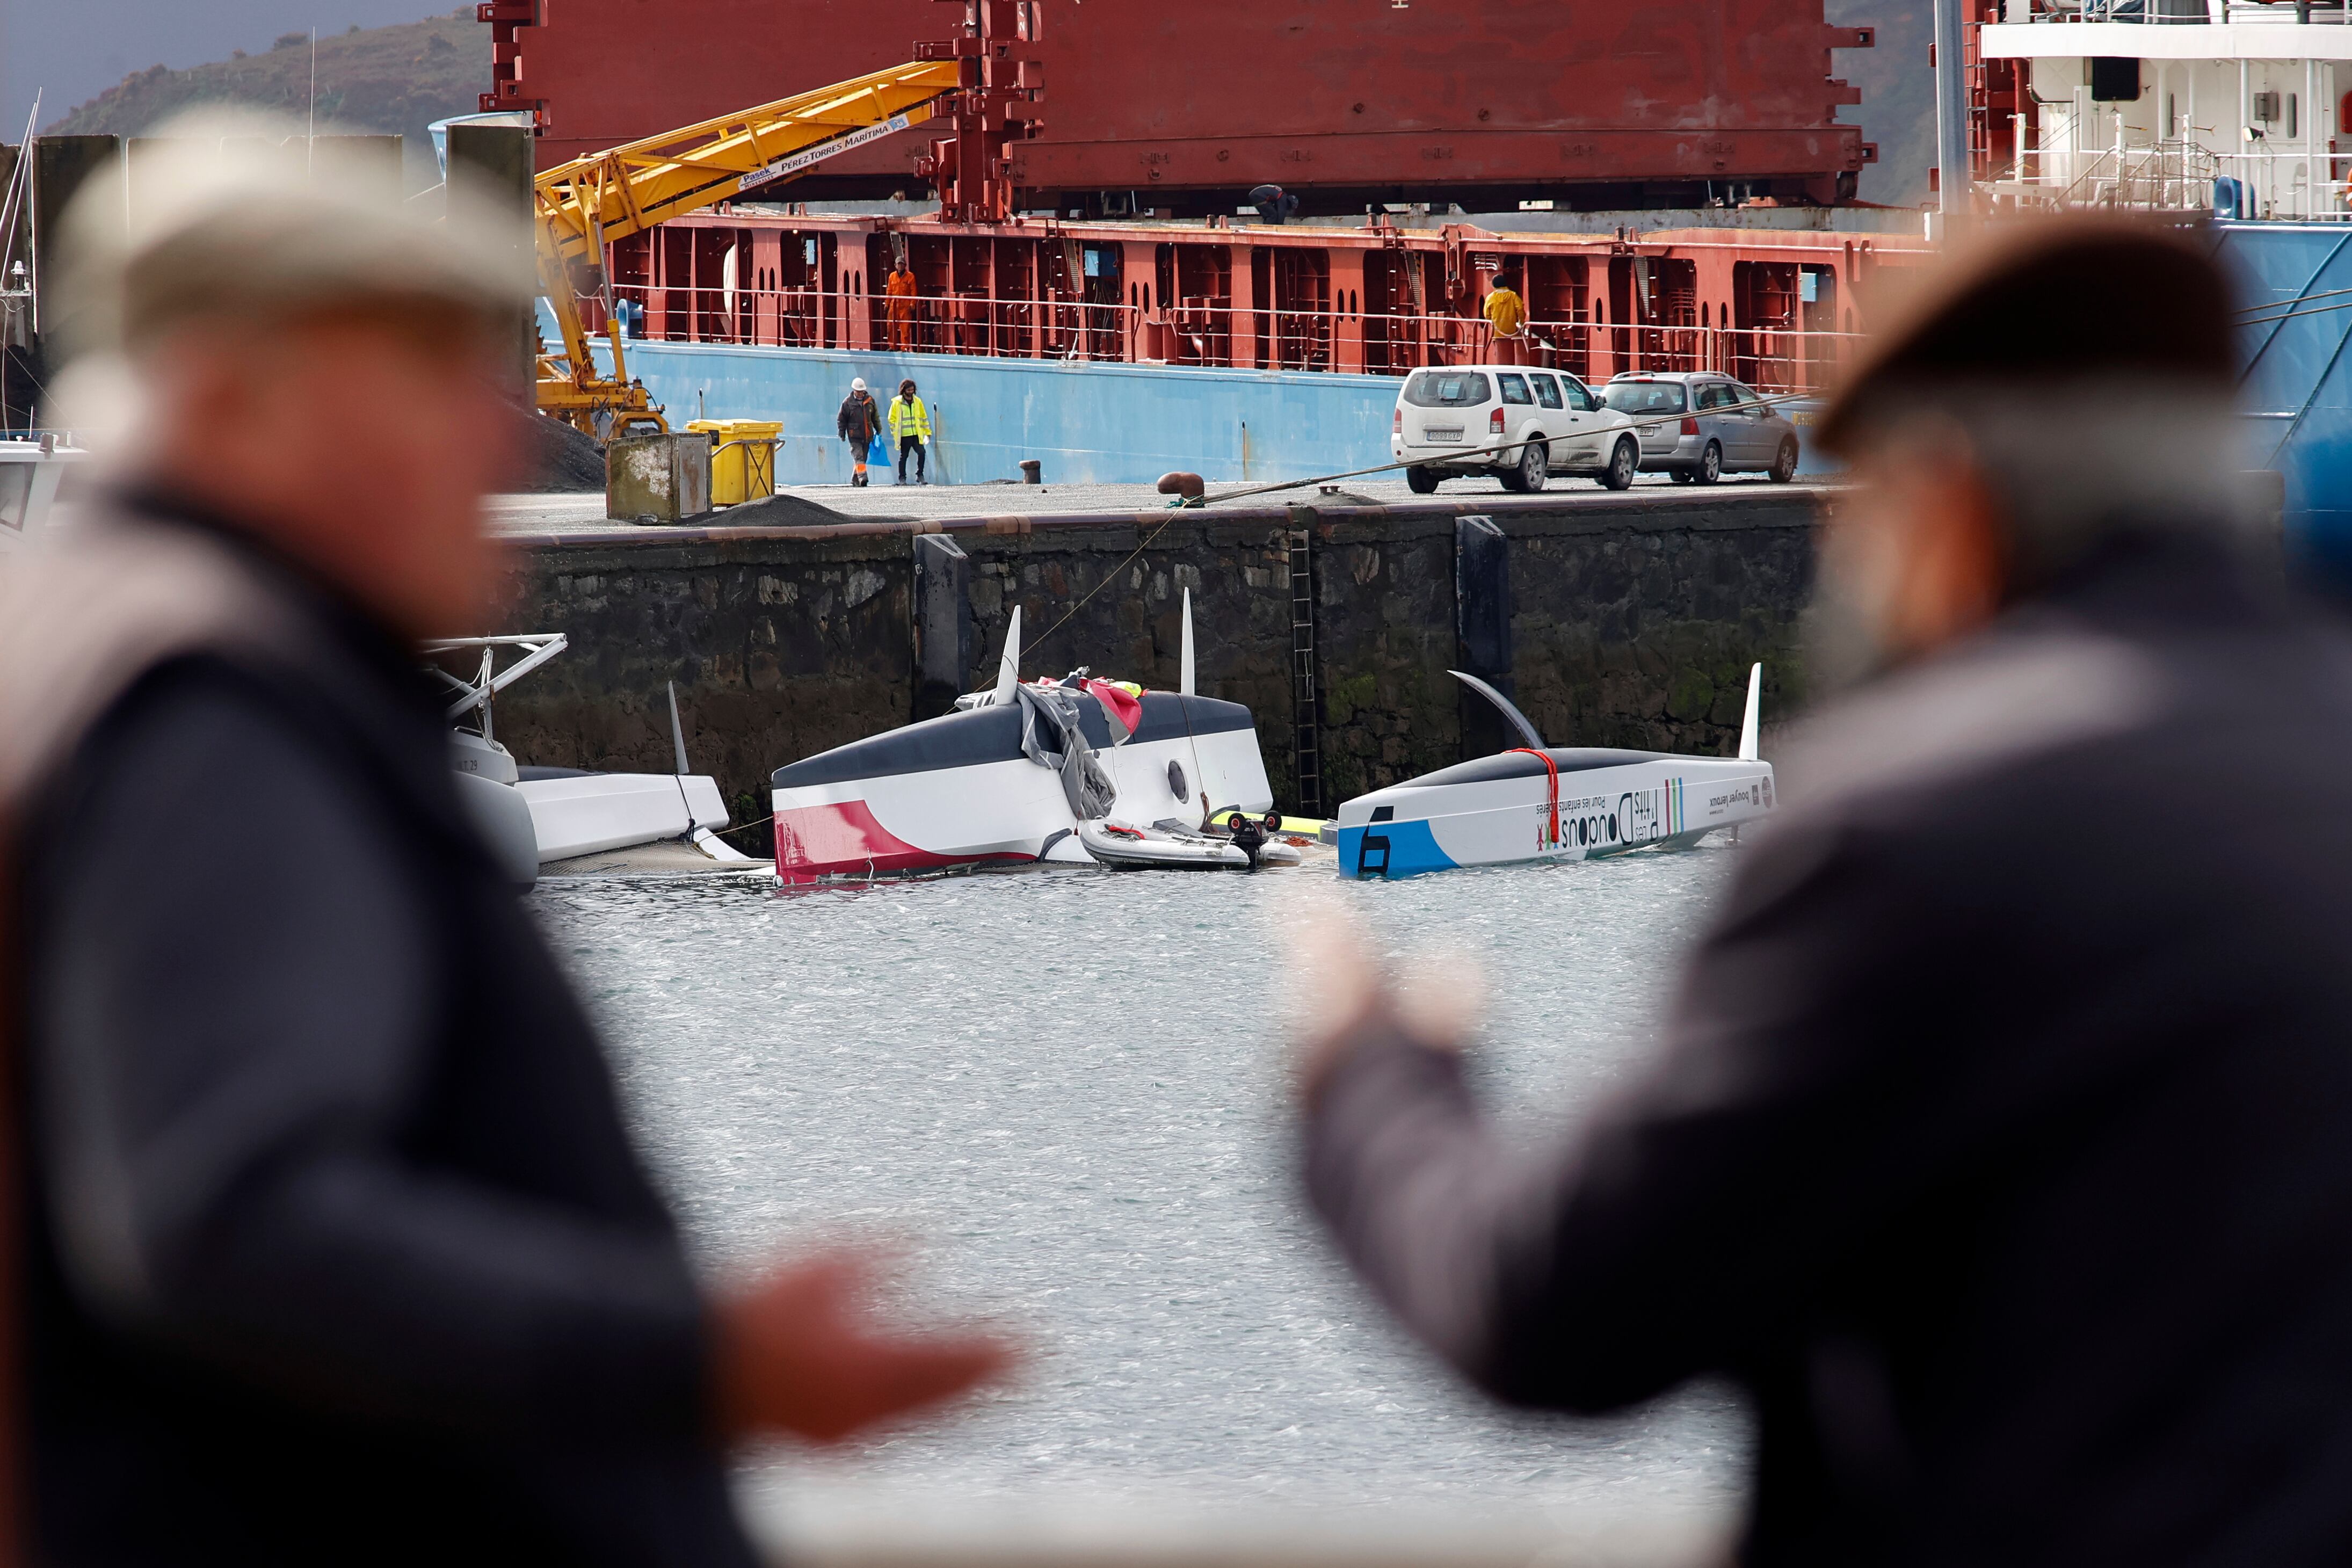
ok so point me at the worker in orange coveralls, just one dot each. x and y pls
(1506, 318)
(901, 308)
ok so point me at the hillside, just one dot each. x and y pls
(386, 80)
(1898, 106)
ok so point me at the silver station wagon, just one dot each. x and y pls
(1698, 426)
(1518, 423)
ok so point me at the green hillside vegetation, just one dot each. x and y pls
(392, 80)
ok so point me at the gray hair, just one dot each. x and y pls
(2078, 462)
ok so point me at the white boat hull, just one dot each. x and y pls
(589, 814)
(958, 791)
(1500, 810)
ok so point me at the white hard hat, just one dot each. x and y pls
(856, 384)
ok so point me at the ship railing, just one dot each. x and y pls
(2166, 176)
(1774, 355)
(2180, 176)
(2187, 12)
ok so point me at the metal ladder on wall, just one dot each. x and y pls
(1306, 706)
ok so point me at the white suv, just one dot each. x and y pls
(1516, 422)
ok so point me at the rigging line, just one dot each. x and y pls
(2291, 315)
(2298, 299)
(1108, 577)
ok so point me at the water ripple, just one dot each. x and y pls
(1064, 1089)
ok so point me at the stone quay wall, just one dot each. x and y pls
(1625, 620)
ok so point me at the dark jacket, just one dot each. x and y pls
(860, 420)
(2002, 1141)
(338, 1249)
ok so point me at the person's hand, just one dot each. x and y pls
(800, 1351)
(1340, 991)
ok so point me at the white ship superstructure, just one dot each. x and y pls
(2204, 105)
(30, 470)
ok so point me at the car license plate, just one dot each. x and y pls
(1441, 433)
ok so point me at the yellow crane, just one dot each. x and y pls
(581, 206)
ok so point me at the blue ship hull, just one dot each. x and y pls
(2297, 387)
(1087, 423)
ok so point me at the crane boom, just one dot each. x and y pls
(581, 206)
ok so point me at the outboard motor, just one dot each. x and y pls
(1248, 837)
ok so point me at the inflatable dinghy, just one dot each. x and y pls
(1172, 845)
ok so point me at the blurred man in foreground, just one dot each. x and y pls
(2002, 1144)
(335, 1247)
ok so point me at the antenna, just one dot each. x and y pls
(1517, 720)
(310, 151)
(1747, 727)
(19, 183)
(677, 732)
(1184, 684)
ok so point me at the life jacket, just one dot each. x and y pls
(909, 419)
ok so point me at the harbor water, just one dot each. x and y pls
(1062, 1092)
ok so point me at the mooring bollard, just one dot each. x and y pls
(1033, 472)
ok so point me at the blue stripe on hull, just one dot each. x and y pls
(1396, 849)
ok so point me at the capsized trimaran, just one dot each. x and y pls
(1077, 770)
(1552, 803)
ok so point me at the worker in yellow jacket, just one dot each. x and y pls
(911, 428)
(1506, 318)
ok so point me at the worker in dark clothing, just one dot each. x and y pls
(860, 422)
(335, 1247)
(2001, 1142)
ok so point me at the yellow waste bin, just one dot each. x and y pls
(742, 458)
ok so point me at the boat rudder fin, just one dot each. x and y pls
(1749, 736)
(1008, 667)
(1511, 714)
(1184, 663)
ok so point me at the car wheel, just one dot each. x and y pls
(1619, 475)
(1512, 481)
(1784, 462)
(1421, 481)
(1535, 467)
(1710, 465)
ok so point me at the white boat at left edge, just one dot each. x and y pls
(536, 817)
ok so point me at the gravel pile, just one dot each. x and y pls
(557, 459)
(784, 510)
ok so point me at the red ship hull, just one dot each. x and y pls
(1180, 110)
